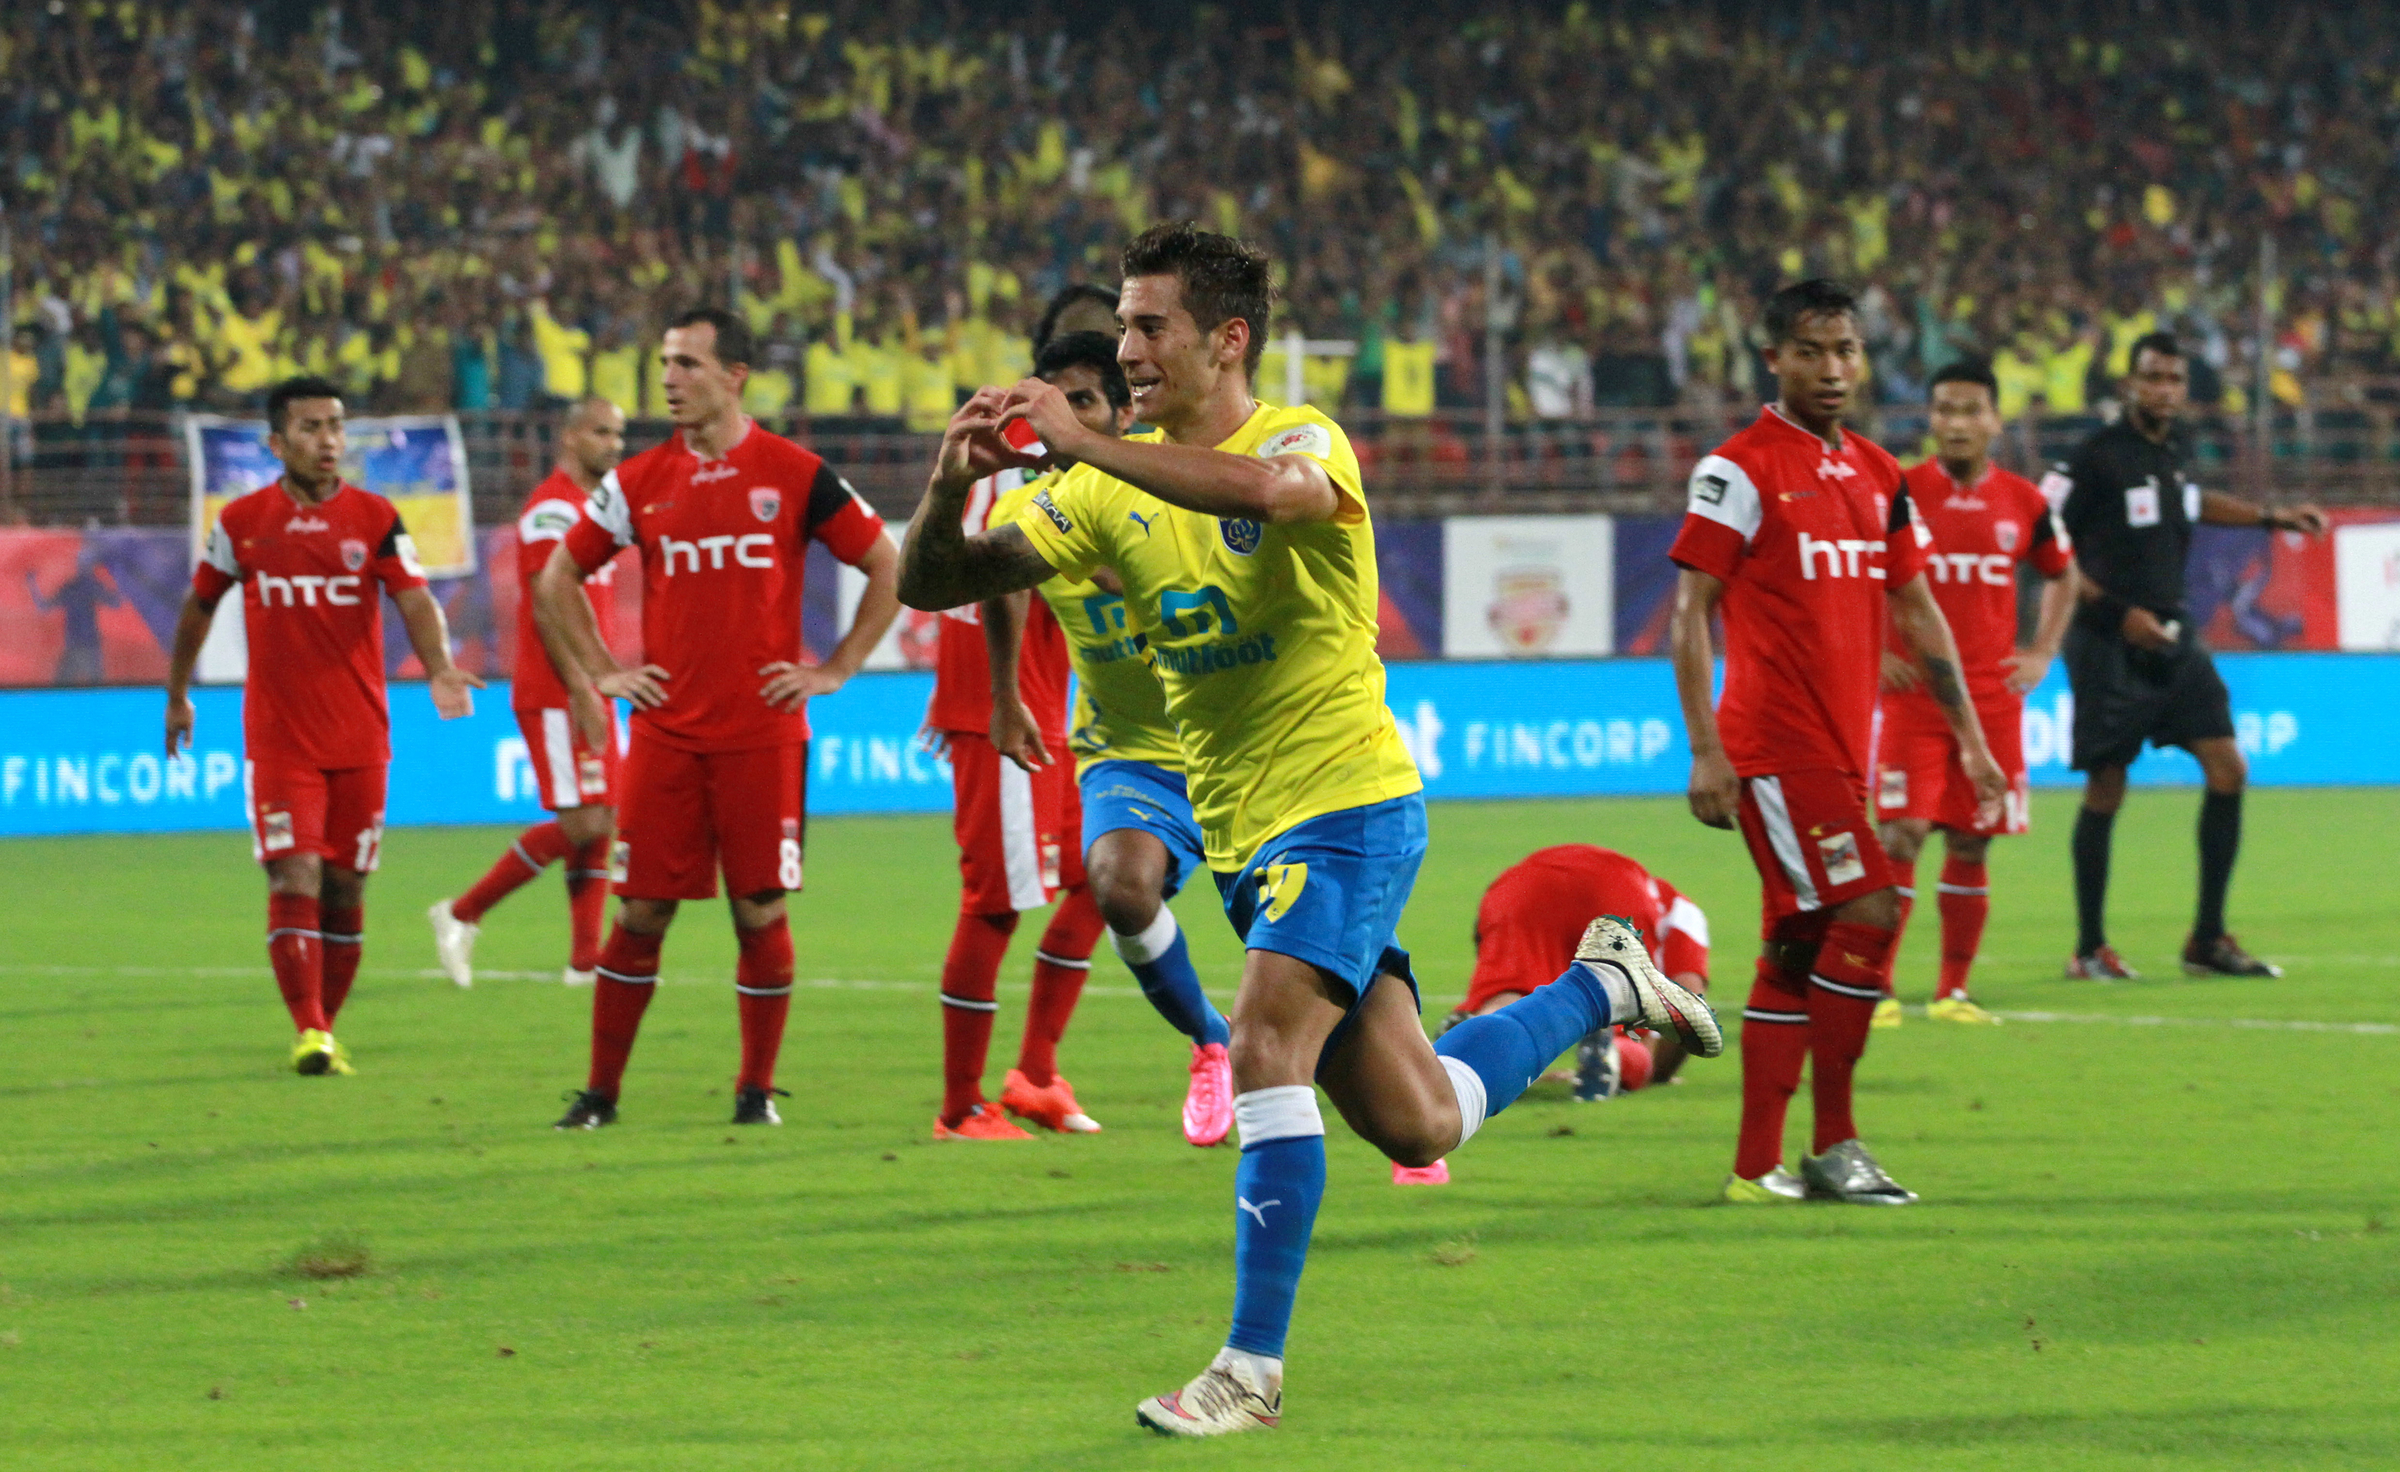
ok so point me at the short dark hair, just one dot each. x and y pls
(734, 341)
(2162, 343)
(1221, 277)
(1086, 350)
(1819, 297)
(1966, 370)
(306, 386)
(1081, 291)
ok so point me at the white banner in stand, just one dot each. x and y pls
(1528, 586)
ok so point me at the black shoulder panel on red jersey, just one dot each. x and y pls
(390, 545)
(827, 495)
(1899, 519)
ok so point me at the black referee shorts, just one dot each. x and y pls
(2125, 696)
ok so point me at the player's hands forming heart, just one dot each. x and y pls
(1045, 408)
(972, 447)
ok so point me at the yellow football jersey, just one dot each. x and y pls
(1263, 635)
(1120, 711)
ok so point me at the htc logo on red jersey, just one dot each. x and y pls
(755, 550)
(1968, 567)
(1844, 557)
(302, 590)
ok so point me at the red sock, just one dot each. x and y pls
(1061, 964)
(763, 981)
(970, 980)
(1966, 903)
(587, 901)
(297, 952)
(628, 977)
(1843, 988)
(345, 941)
(536, 849)
(1774, 1045)
(1908, 901)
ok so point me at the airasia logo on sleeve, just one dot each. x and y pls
(1842, 557)
(708, 553)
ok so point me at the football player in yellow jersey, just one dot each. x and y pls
(1240, 533)
(1140, 840)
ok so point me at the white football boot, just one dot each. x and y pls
(454, 943)
(1226, 1397)
(1665, 1006)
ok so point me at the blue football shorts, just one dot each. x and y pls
(1329, 891)
(1145, 796)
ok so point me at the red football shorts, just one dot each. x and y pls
(568, 771)
(336, 813)
(685, 814)
(1812, 840)
(1020, 833)
(1917, 770)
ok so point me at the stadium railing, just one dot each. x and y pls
(129, 469)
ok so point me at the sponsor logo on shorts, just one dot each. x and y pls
(591, 775)
(765, 502)
(1049, 863)
(620, 861)
(1895, 788)
(1241, 535)
(274, 831)
(1279, 885)
(1839, 853)
(354, 553)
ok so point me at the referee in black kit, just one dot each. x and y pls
(2134, 659)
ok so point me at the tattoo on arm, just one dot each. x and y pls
(944, 568)
(1941, 677)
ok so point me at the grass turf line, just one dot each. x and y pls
(2141, 1247)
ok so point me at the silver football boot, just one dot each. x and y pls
(1846, 1172)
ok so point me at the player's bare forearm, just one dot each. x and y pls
(1286, 488)
(878, 605)
(1714, 792)
(1003, 639)
(2059, 597)
(2220, 509)
(1927, 634)
(428, 629)
(563, 618)
(191, 631)
(942, 567)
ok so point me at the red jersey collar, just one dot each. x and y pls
(1989, 466)
(339, 486)
(1774, 412)
(749, 427)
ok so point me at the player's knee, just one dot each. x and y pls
(1967, 848)
(2104, 790)
(297, 874)
(1125, 903)
(646, 917)
(2226, 769)
(341, 889)
(1880, 910)
(750, 911)
(1419, 1148)
(583, 825)
(1903, 842)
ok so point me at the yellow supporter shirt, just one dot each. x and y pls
(1120, 708)
(1407, 378)
(1263, 635)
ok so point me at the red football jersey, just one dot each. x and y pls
(1807, 541)
(724, 547)
(962, 669)
(309, 576)
(1559, 890)
(553, 510)
(1980, 534)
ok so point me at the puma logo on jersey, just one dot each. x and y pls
(1136, 516)
(755, 550)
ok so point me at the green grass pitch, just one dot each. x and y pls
(2143, 1245)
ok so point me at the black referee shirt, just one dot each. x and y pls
(2130, 509)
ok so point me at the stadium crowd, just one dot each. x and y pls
(495, 203)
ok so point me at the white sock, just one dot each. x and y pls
(1624, 1004)
(1150, 944)
(1468, 1085)
(1266, 1371)
(1287, 1112)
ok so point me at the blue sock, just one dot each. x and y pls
(1162, 963)
(1508, 1050)
(1276, 1190)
